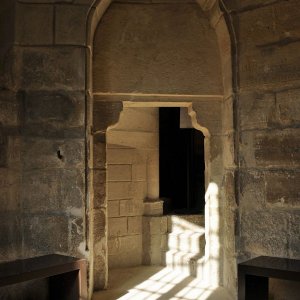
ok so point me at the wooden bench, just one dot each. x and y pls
(254, 274)
(66, 275)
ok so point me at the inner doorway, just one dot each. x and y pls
(181, 163)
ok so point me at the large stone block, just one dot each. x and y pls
(135, 225)
(52, 190)
(125, 156)
(119, 190)
(57, 108)
(113, 208)
(155, 225)
(119, 172)
(265, 233)
(277, 148)
(13, 155)
(268, 25)
(268, 42)
(39, 237)
(34, 24)
(282, 188)
(134, 139)
(257, 110)
(10, 190)
(125, 251)
(288, 106)
(56, 68)
(139, 172)
(41, 153)
(252, 190)
(265, 69)
(9, 109)
(154, 247)
(70, 24)
(267, 149)
(131, 207)
(11, 237)
(117, 227)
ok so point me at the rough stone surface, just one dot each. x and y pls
(288, 106)
(209, 115)
(111, 117)
(69, 26)
(57, 109)
(119, 172)
(294, 237)
(7, 35)
(10, 109)
(126, 251)
(252, 189)
(265, 149)
(127, 30)
(268, 53)
(34, 24)
(281, 188)
(277, 148)
(51, 68)
(99, 183)
(267, 235)
(159, 49)
(11, 236)
(52, 190)
(36, 234)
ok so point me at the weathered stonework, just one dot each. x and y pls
(55, 174)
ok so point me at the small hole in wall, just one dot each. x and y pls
(59, 155)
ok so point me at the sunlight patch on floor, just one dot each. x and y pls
(156, 283)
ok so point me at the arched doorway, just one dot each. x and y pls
(208, 93)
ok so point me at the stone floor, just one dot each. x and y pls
(156, 283)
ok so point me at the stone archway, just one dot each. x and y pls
(212, 111)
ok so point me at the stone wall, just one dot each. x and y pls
(268, 124)
(42, 129)
(130, 146)
(46, 122)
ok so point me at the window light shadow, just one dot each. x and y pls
(166, 284)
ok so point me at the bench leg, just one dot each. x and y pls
(256, 287)
(65, 286)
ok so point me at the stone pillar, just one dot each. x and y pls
(153, 205)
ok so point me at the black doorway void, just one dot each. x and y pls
(181, 165)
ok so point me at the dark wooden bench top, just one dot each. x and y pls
(254, 274)
(67, 273)
(276, 267)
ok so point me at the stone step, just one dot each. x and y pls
(194, 223)
(187, 241)
(184, 262)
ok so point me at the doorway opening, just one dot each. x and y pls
(181, 163)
